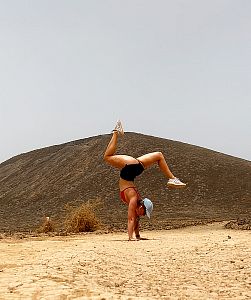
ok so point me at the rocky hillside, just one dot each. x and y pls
(41, 182)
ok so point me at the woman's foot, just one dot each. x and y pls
(119, 128)
(175, 183)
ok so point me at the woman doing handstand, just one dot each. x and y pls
(130, 168)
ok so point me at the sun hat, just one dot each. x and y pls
(149, 206)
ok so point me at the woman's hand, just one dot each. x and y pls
(133, 240)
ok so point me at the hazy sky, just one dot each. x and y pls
(177, 69)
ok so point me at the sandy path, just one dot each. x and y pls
(191, 263)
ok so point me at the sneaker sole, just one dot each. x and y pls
(121, 129)
(176, 186)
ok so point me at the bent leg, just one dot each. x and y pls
(118, 161)
(156, 157)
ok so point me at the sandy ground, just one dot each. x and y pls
(204, 262)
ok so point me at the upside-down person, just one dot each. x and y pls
(130, 168)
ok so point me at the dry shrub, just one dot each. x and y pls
(243, 224)
(47, 226)
(83, 217)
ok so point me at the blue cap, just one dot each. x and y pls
(149, 206)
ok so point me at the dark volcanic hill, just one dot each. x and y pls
(41, 182)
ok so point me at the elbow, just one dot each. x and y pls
(131, 219)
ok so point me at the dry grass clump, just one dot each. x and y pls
(83, 217)
(47, 226)
(243, 224)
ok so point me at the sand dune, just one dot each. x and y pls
(204, 262)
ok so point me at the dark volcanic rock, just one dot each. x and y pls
(40, 183)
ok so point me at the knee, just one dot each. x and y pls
(106, 158)
(159, 155)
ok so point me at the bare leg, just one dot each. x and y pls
(151, 158)
(156, 157)
(111, 148)
(118, 161)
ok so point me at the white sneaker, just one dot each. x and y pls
(119, 128)
(175, 183)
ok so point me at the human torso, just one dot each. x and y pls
(126, 182)
(123, 184)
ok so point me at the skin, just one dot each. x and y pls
(135, 209)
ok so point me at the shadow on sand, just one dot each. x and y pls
(141, 239)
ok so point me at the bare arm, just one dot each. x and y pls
(136, 229)
(132, 217)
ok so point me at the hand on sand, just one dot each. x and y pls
(133, 239)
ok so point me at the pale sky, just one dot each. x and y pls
(176, 69)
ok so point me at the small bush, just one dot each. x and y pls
(82, 218)
(47, 226)
(243, 224)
